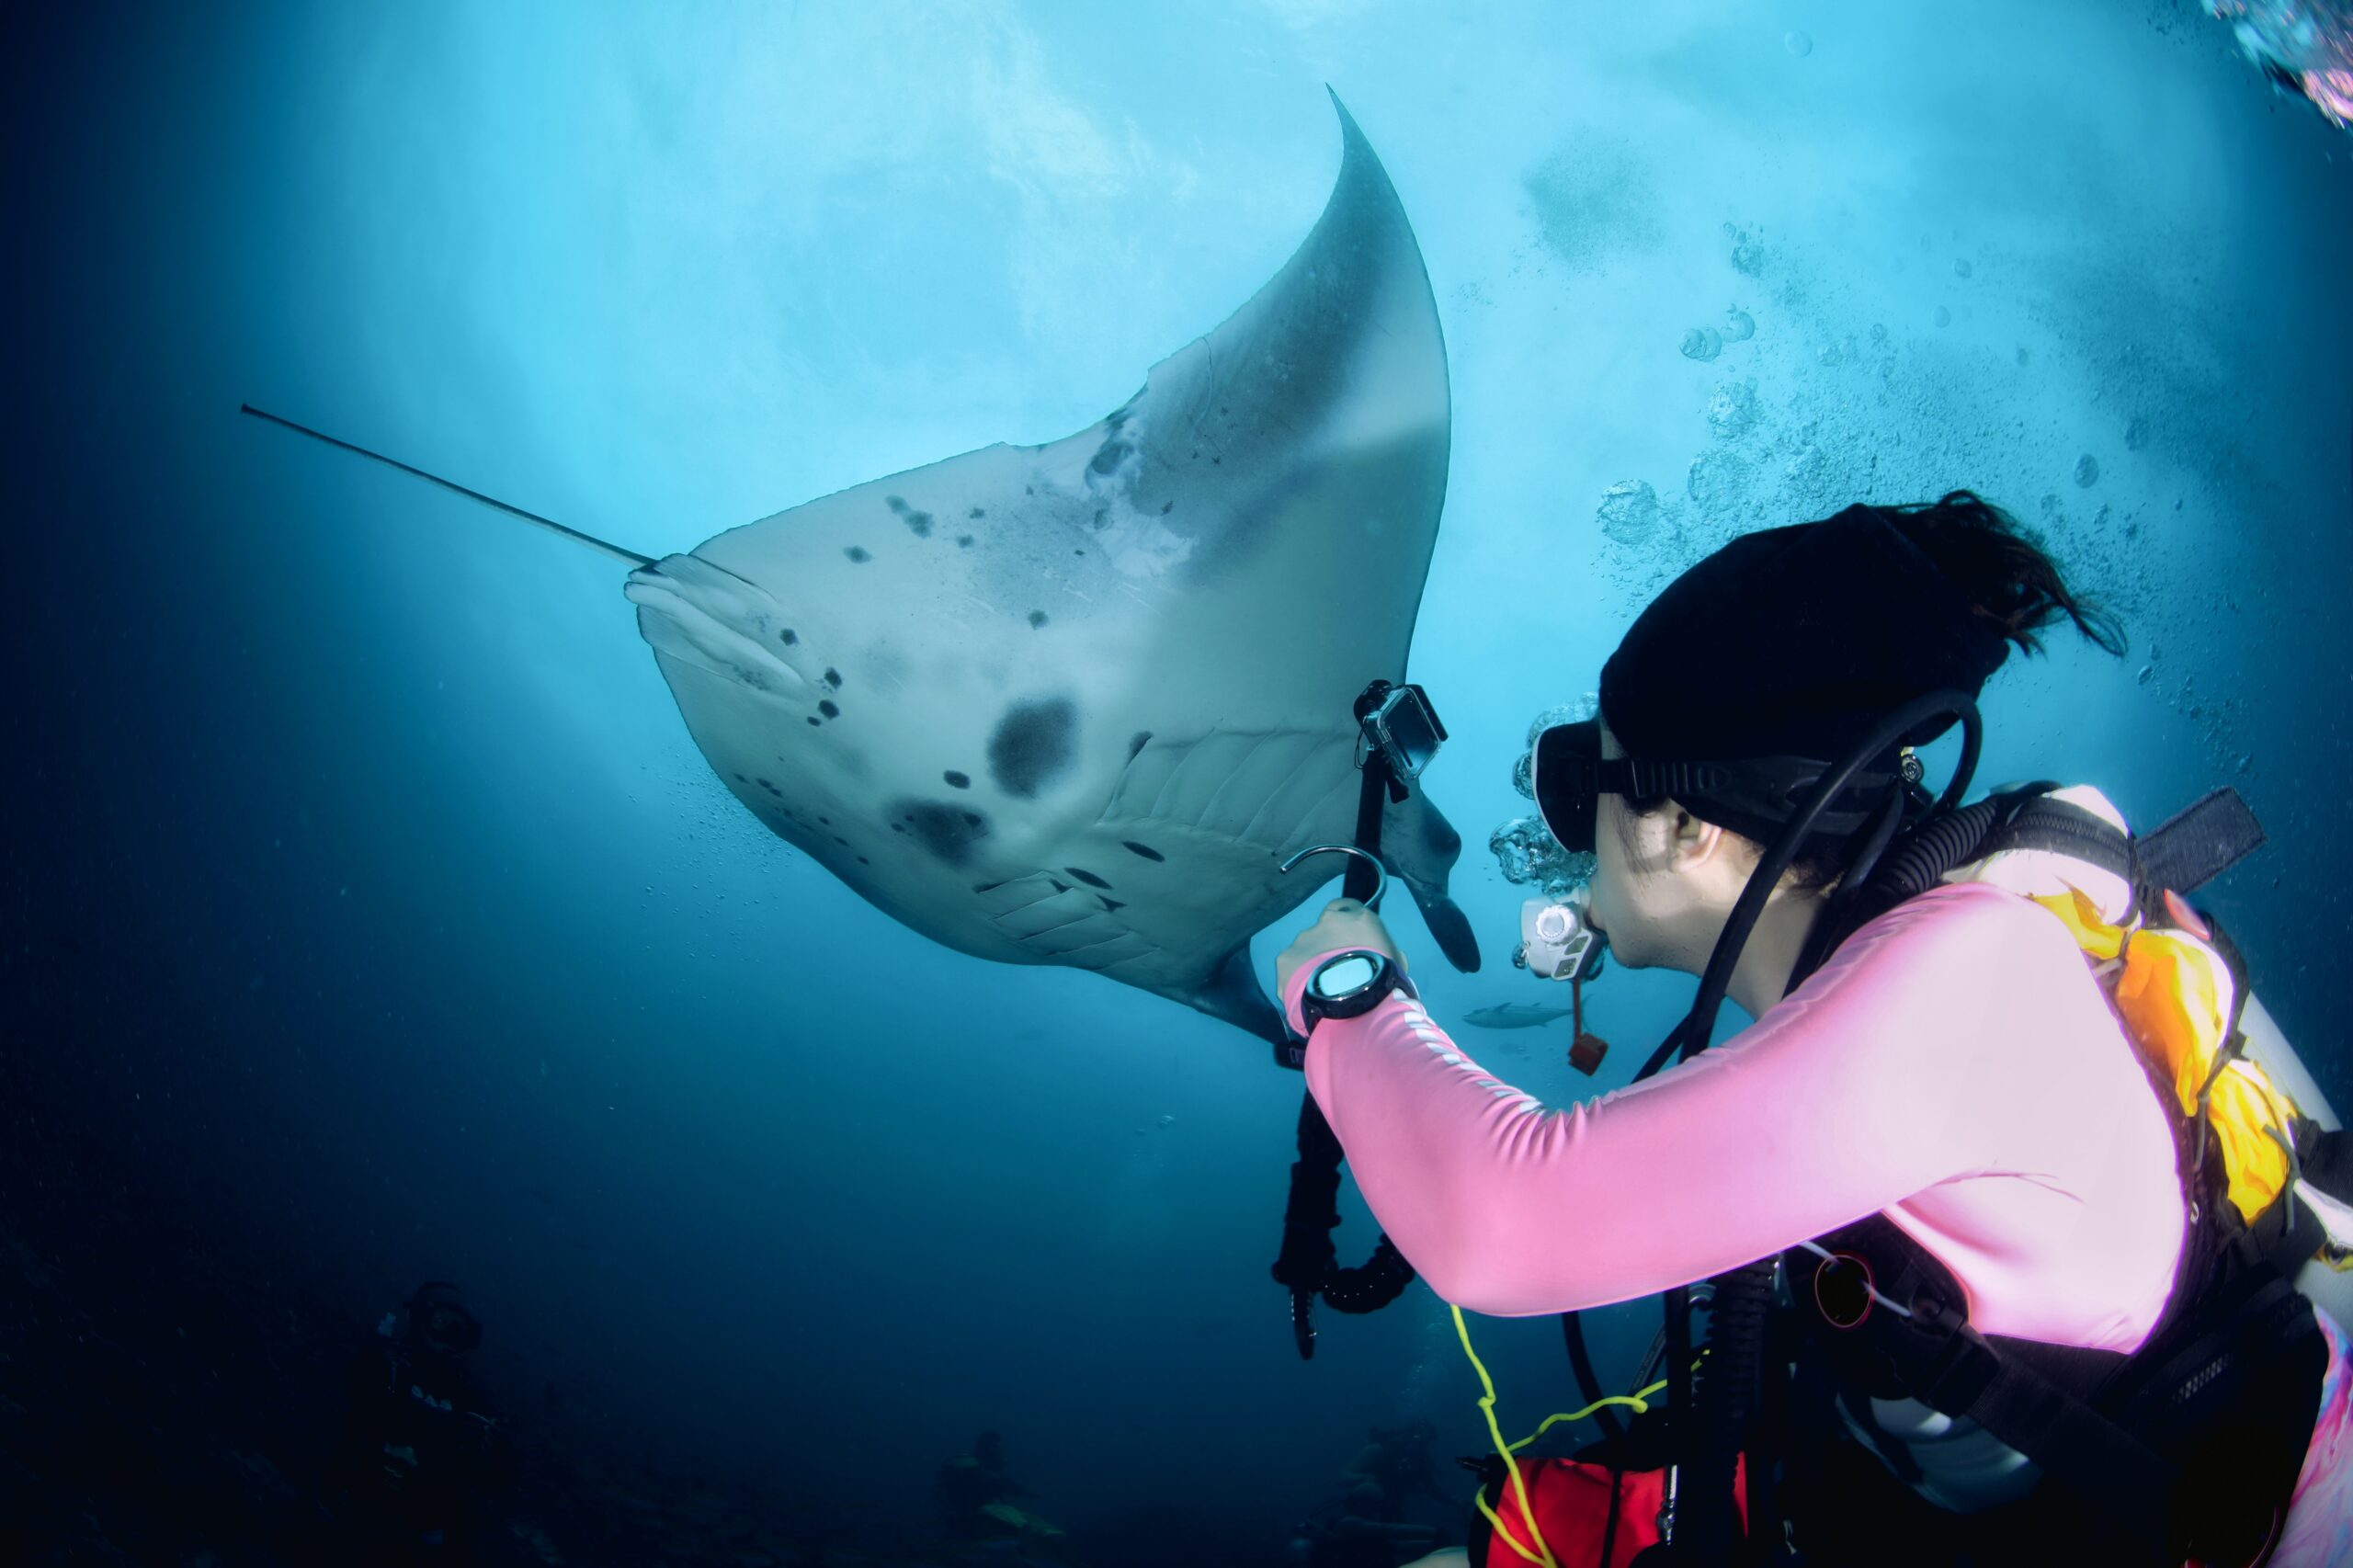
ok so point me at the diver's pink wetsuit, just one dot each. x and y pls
(1954, 1067)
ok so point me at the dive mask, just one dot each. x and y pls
(1568, 775)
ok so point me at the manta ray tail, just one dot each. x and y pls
(591, 541)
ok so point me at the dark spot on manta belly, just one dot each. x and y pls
(963, 542)
(1147, 850)
(946, 831)
(814, 721)
(769, 788)
(976, 512)
(789, 637)
(833, 678)
(1036, 619)
(858, 553)
(1090, 877)
(918, 523)
(830, 708)
(1034, 742)
(958, 780)
(1112, 453)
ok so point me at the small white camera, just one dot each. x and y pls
(1556, 941)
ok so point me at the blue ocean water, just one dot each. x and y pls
(371, 916)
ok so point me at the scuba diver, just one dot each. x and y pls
(1365, 1527)
(1396, 1461)
(1996, 1215)
(1358, 1531)
(422, 1451)
(974, 1495)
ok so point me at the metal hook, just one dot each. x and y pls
(1380, 872)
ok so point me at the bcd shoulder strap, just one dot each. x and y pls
(2200, 842)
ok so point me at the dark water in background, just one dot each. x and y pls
(370, 917)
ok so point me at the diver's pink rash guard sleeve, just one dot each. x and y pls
(1954, 1064)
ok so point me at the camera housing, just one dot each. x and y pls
(1404, 729)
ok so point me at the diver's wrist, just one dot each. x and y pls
(1351, 982)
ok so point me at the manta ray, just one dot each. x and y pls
(1074, 703)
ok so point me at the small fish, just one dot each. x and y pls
(1515, 1015)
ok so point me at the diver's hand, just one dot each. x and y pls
(1345, 924)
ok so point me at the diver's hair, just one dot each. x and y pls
(2003, 573)
(2007, 580)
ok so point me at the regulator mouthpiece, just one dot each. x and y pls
(1557, 941)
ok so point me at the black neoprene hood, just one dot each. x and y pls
(1793, 641)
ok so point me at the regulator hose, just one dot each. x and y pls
(1712, 1421)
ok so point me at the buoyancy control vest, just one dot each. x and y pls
(2190, 1446)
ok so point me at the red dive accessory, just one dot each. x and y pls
(1570, 1500)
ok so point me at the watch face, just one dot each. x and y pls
(1349, 972)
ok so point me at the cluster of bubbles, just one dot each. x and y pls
(1524, 847)
(1704, 343)
(1834, 406)
(1886, 425)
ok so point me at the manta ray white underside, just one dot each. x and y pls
(1072, 703)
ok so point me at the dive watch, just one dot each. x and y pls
(1350, 984)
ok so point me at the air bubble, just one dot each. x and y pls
(1732, 410)
(1629, 512)
(1528, 854)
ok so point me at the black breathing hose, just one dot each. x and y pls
(1691, 1035)
(1712, 1415)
